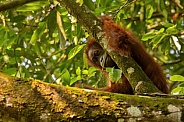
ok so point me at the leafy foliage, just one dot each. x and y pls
(114, 74)
(42, 40)
(180, 88)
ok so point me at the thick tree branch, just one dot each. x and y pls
(35, 101)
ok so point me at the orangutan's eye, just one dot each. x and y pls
(97, 53)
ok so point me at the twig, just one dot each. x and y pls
(173, 62)
(126, 4)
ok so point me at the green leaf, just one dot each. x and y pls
(165, 13)
(91, 71)
(18, 18)
(11, 40)
(161, 31)
(38, 33)
(99, 10)
(181, 85)
(13, 61)
(65, 77)
(28, 8)
(75, 79)
(51, 22)
(12, 53)
(112, 8)
(167, 24)
(149, 11)
(176, 90)
(61, 31)
(89, 4)
(166, 46)
(78, 71)
(148, 36)
(177, 78)
(62, 11)
(27, 73)
(172, 30)
(114, 74)
(179, 90)
(10, 71)
(74, 51)
(33, 6)
(80, 2)
(108, 69)
(34, 37)
(38, 49)
(85, 72)
(157, 40)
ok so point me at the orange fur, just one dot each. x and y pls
(123, 42)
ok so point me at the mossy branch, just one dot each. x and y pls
(29, 100)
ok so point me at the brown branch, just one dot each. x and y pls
(13, 4)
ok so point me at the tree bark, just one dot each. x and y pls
(34, 101)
